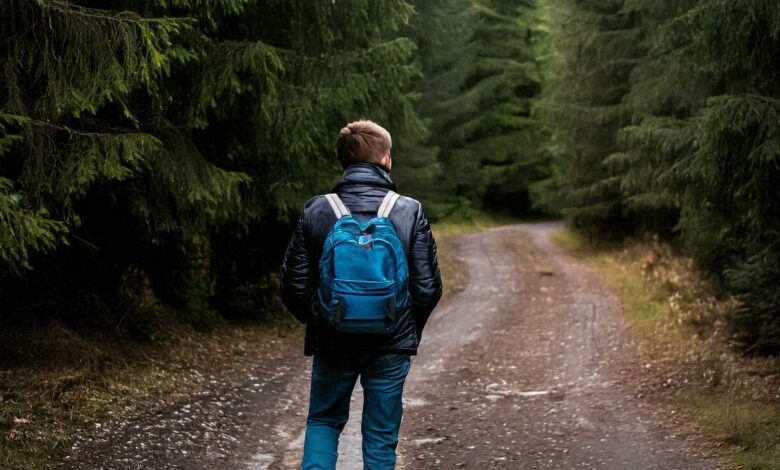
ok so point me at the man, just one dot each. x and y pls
(381, 362)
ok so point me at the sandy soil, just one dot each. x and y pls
(529, 367)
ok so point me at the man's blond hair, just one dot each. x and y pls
(363, 141)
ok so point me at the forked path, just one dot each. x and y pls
(529, 367)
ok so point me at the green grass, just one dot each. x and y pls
(731, 400)
(476, 222)
(751, 429)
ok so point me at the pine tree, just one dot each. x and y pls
(442, 30)
(134, 133)
(594, 48)
(704, 143)
(730, 210)
(337, 62)
(691, 144)
(55, 148)
(660, 132)
(481, 76)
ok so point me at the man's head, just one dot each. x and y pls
(364, 141)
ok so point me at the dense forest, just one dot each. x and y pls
(663, 117)
(160, 150)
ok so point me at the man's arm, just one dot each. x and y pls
(425, 279)
(298, 279)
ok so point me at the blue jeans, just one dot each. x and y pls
(332, 380)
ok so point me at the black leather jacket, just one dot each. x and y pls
(361, 189)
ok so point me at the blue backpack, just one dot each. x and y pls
(363, 272)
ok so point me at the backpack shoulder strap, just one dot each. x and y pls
(387, 204)
(338, 207)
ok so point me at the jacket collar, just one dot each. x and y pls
(365, 174)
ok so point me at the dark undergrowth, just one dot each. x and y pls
(59, 381)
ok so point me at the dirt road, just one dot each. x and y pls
(528, 368)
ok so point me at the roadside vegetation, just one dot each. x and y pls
(71, 387)
(678, 321)
(663, 119)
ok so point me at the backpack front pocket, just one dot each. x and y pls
(371, 303)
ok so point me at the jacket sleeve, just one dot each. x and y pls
(425, 280)
(298, 277)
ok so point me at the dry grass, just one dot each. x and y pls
(677, 320)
